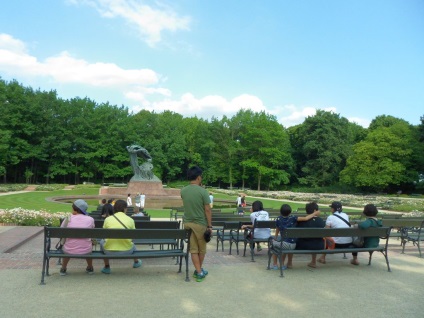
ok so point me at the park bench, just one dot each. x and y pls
(382, 232)
(250, 239)
(182, 236)
(407, 230)
(176, 212)
(223, 231)
(151, 225)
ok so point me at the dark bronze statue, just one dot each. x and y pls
(143, 172)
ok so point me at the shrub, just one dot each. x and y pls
(19, 216)
(50, 187)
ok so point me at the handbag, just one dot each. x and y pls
(359, 241)
(62, 240)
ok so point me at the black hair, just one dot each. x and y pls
(120, 206)
(193, 173)
(107, 209)
(75, 208)
(311, 207)
(370, 210)
(103, 201)
(285, 210)
(257, 206)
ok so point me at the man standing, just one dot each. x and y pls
(198, 218)
(129, 200)
(142, 201)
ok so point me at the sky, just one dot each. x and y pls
(210, 58)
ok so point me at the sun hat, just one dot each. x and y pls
(82, 205)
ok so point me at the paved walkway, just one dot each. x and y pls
(235, 287)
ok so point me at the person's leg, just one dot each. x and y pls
(322, 258)
(65, 261)
(313, 262)
(89, 262)
(195, 259)
(290, 261)
(354, 260)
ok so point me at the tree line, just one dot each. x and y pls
(47, 139)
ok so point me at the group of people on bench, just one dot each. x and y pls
(80, 219)
(338, 219)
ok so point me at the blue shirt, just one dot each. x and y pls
(284, 222)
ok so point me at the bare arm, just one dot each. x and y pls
(208, 213)
(308, 217)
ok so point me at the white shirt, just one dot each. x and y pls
(335, 223)
(260, 216)
(142, 200)
(129, 201)
(238, 201)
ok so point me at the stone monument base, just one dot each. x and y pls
(149, 188)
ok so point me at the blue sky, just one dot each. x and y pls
(360, 59)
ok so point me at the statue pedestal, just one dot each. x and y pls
(149, 188)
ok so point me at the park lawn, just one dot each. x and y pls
(37, 200)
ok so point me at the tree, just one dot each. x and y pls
(321, 144)
(384, 158)
(267, 153)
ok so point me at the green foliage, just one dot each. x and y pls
(384, 158)
(49, 187)
(47, 140)
(321, 146)
(12, 187)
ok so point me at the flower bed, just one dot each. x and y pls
(19, 216)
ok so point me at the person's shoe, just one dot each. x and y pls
(200, 277)
(275, 267)
(89, 270)
(106, 270)
(63, 272)
(204, 271)
(354, 262)
(137, 264)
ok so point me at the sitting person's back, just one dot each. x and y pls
(315, 222)
(119, 220)
(370, 210)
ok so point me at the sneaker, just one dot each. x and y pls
(137, 264)
(106, 270)
(275, 267)
(200, 277)
(89, 270)
(62, 272)
(204, 271)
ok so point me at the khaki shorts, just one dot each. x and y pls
(197, 241)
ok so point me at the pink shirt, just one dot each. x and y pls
(79, 245)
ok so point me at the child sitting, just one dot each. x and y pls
(284, 221)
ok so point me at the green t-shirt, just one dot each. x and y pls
(194, 200)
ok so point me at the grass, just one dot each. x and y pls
(37, 200)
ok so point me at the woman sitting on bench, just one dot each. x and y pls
(78, 219)
(118, 220)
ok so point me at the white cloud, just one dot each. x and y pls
(148, 21)
(64, 68)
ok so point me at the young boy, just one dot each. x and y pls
(284, 221)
